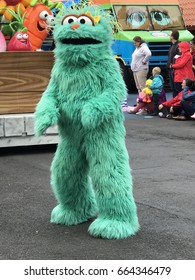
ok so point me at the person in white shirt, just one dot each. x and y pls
(140, 62)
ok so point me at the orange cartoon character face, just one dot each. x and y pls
(38, 20)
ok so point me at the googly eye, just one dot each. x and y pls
(160, 18)
(25, 36)
(85, 20)
(50, 20)
(136, 19)
(19, 36)
(44, 15)
(69, 20)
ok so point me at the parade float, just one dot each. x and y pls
(26, 60)
(24, 66)
(24, 73)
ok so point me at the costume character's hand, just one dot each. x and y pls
(46, 113)
(43, 121)
(97, 111)
(90, 116)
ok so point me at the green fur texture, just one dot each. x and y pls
(90, 172)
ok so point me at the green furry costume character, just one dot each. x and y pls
(90, 173)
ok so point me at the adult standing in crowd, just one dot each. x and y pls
(192, 50)
(140, 62)
(182, 66)
(173, 51)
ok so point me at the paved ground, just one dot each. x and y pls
(162, 157)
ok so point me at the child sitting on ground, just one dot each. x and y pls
(146, 94)
(145, 97)
(156, 88)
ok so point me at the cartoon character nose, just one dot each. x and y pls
(75, 26)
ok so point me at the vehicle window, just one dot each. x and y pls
(166, 17)
(132, 17)
(149, 17)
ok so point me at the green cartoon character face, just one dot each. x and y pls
(82, 34)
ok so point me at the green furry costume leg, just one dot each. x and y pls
(73, 190)
(112, 181)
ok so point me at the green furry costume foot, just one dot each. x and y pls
(113, 229)
(90, 173)
(61, 215)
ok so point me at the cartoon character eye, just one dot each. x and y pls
(25, 36)
(69, 20)
(44, 15)
(50, 20)
(19, 36)
(136, 19)
(160, 18)
(85, 20)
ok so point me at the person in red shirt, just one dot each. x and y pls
(182, 66)
(192, 50)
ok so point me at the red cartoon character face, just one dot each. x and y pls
(19, 42)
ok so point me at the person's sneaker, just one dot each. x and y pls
(169, 116)
(193, 116)
(161, 115)
(131, 112)
(141, 112)
(124, 103)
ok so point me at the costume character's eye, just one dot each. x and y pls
(19, 36)
(85, 20)
(44, 15)
(25, 36)
(69, 20)
(136, 19)
(160, 18)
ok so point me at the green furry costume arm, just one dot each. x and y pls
(102, 108)
(47, 112)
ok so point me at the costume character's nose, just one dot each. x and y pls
(75, 26)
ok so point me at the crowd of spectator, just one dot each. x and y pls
(181, 72)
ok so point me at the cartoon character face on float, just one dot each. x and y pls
(19, 42)
(38, 21)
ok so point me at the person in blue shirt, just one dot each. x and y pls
(156, 87)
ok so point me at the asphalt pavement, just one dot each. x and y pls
(162, 158)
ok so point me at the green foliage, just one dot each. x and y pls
(18, 20)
